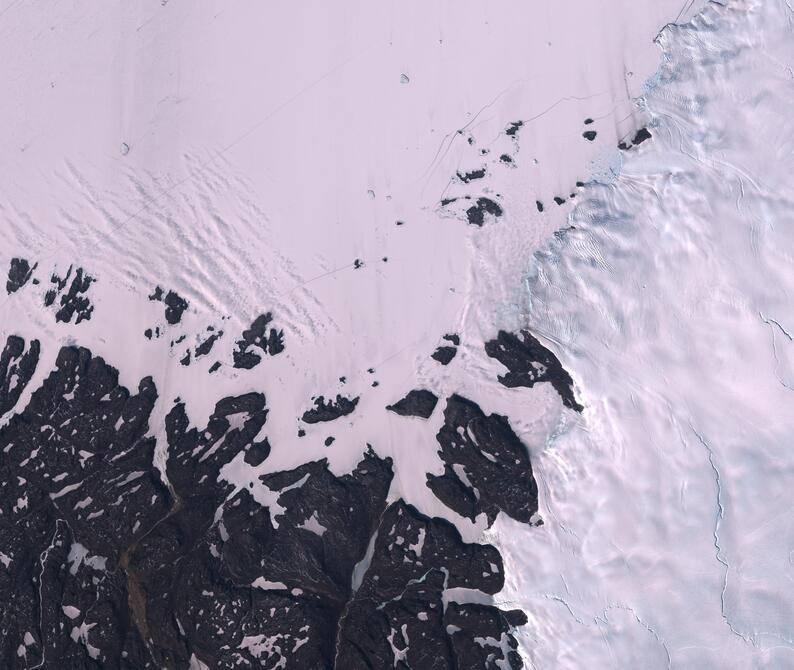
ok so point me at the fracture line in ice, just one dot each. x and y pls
(771, 323)
(719, 550)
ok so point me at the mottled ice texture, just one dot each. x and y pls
(669, 534)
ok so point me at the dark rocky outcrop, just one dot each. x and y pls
(639, 137)
(19, 273)
(513, 127)
(418, 402)
(258, 337)
(472, 175)
(397, 616)
(450, 490)
(205, 347)
(16, 368)
(329, 410)
(106, 564)
(476, 213)
(487, 466)
(77, 489)
(175, 305)
(245, 585)
(530, 363)
(444, 354)
(472, 623)
(74, 302)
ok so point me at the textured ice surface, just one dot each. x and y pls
(670, 539)
(324, 166)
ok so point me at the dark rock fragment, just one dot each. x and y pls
(444, 354)
(513, 128)
(18, 274)
(456, 495)
(476, 213)
(73, 302)
(640, 136)
(466, 177)
(329, 410)
(529, 363)
(206, 346)
(246, 359)
(175, 305)
(257, 452)
(418, 402)
(258, 336)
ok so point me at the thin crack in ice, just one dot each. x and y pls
(719, 551)
(772, 323)
(642, 623)
(603, 618)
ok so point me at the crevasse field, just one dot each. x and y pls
(396, 336)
